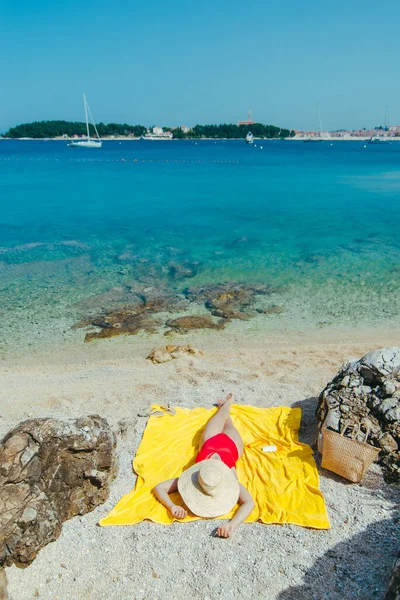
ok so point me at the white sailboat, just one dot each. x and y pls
(249, 138)
(378, 139)
(381, 136)
(89, 142)
(318, 134)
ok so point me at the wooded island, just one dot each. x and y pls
(54, 129)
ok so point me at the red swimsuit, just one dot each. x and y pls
(222, 445)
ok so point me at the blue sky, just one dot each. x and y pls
(182, 63)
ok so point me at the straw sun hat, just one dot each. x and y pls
(209, 488)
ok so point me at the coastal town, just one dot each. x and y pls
(55, 130)
(392, 132)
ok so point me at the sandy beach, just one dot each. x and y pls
(149, 561)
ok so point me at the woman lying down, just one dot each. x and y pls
(210, 487)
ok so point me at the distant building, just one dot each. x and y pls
(157, 130)
(248, 122)
(186, 129)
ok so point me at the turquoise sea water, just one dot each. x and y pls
(318, 222)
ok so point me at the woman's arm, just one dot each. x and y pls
(247, 505)
(162, 490)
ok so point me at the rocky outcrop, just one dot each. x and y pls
(50, 471)
(161, 355)
(368, 391)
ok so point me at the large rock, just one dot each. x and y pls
(50, 471)
(368, 391)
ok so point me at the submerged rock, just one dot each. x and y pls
(368, 391)
(229, 300)
(161, 355)
(50, 471)
(126, 321)
(125, 324)
(183, 270)
(133, 318)
(184, 324)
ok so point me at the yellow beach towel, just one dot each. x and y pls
(284, 484)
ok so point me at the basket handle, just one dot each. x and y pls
(357, 428)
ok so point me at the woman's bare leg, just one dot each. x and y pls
(217, 423)
(221, 422)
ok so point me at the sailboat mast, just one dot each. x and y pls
(319, 124)
(86, 116)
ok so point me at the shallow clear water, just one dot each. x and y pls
(320, 222)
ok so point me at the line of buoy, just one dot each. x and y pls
(134, 160)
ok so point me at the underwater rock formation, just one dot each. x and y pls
(183, 270)
(132, 318)
(229, 300)
(185, 324)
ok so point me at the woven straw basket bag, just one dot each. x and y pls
(345, 456)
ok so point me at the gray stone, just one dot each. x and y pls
(387, 405)
(365, 389)
(389, 388)
(379, 364)
(28, 515)
(333, 419)
(393, 414)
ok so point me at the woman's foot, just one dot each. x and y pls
(228, 401)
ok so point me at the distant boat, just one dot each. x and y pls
(318, 134)
(88, 143)
(153, 137)
(377, 139)
(314, 139)
(157, 134)
(249, 138)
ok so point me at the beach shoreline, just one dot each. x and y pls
(113, 378)
(309, 263)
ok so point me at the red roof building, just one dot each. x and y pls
(248, 122)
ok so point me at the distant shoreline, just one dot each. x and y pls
(137, 139)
